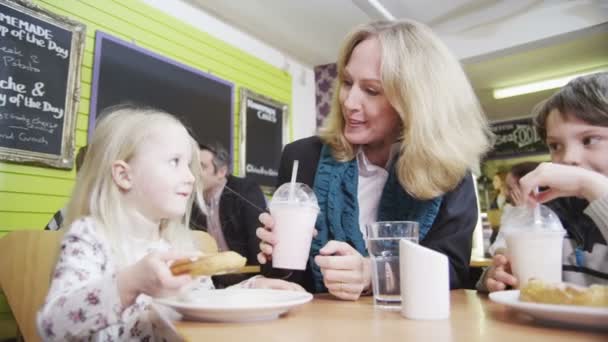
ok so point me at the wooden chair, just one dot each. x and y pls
(27, 259)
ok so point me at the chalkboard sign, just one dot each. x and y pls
(40, 58)
(264, 122)
(124, 72)
(515, 138)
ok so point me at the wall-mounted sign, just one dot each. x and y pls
(40, 58)
(264, 125)
(126, 73)
(515, 138)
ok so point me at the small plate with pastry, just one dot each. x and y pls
(559, 303)
(235, 304)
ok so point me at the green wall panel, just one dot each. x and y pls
(29, 195)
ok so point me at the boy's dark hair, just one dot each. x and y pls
(521, 169)
(585, 98)
(221, 157)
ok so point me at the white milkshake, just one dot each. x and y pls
(294, 209)
(534, 238)
(535, 254)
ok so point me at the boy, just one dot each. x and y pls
(574, 124)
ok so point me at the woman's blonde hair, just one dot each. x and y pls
(117, 136)
(445, 132)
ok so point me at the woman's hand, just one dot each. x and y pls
(152, 276)
(499, 275)
(275, 284)
(563, 181)
(346, 273)
(265, 234)
(268, 240)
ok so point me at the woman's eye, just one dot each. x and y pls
(174, 161)
(347, 83)
(372, 92)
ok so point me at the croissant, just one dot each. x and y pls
(223, 262)
(568, 294)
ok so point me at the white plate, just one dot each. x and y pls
(236, 305)
(581, 316)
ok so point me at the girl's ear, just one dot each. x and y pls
(121, 174)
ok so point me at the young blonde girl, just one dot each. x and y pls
(127, 220)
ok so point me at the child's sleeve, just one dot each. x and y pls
(83, 298)
(598, 212)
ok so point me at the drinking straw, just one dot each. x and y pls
(292, 184)
(537, 219)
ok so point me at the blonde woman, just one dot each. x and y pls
(404, 130)
(127, 219)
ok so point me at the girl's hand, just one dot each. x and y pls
(563, 181)
(499, 275)
(151, 276)
(346, 273)
(275, 284)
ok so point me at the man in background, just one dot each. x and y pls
(233, 206)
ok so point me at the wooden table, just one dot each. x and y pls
(473, 318)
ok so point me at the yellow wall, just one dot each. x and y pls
(30, 195)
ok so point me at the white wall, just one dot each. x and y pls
(303, 82)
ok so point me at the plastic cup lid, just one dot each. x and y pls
(302, 195)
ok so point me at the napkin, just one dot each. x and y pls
(425, 282)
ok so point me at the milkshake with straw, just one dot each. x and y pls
(294, 209)
(534, 239)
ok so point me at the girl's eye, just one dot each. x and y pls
(347, 83)
(174, 161)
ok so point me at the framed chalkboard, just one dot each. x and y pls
(515, 138)
(40, 58)
(124, 72)
(264, 124)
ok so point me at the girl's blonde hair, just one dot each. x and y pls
(117, 136)
(444, 132)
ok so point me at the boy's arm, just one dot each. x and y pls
(598, 211)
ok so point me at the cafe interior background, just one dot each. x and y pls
(284, 51)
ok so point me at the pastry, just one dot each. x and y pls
(223, 262)
(539, 292)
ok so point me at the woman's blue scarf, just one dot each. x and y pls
(335, 186)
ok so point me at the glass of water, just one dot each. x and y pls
(383, 247)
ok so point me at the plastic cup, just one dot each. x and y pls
(534, 238)
(535, 254)
(294, 209)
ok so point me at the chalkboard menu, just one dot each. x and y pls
(126, 73)
(515, 138)
(40, 58)
(264, 122)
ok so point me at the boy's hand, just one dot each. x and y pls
(499, 275)
(563, 181)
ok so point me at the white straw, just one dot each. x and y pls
(292, 185)
(537, 219)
